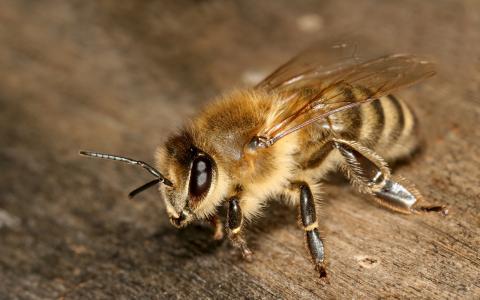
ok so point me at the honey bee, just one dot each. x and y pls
(281, 137)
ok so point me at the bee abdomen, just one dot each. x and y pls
(386, 125)
(389, 127)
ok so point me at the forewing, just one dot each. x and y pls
(320, 59)
(321, 91)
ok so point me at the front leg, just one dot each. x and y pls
(217, 227)
(234, 227)
(310, 225)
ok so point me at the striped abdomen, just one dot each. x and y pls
(387, 126)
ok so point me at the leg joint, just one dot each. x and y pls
(311, 227)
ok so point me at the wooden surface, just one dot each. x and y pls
(119, 76)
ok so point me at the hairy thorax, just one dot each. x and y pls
(230, 124)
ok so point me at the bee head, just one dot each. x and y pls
(194, 174)
(191, 179)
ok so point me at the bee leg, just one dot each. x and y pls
(396, 196)
(369, 173)
(217, 226)
(234, 226)
(310, 225)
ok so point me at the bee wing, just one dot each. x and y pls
(318, 58)
(310, 91)
(322, 57)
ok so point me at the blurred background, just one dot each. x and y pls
(119, 76)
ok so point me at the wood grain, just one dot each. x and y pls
(118, 76)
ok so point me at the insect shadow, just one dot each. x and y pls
(197, 240)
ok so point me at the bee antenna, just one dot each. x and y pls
(144, 165)
(142, 188)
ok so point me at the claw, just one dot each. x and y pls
(247, 254)
(322, 272)
(442, 209)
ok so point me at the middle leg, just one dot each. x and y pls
(310, 225)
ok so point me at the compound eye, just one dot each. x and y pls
(200, 176)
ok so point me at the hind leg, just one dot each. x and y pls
(369, 173)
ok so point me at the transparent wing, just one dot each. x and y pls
(321, 58)
(310, 91)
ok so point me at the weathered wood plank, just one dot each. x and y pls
(118, 76)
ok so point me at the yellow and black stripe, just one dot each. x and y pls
(386, 125)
